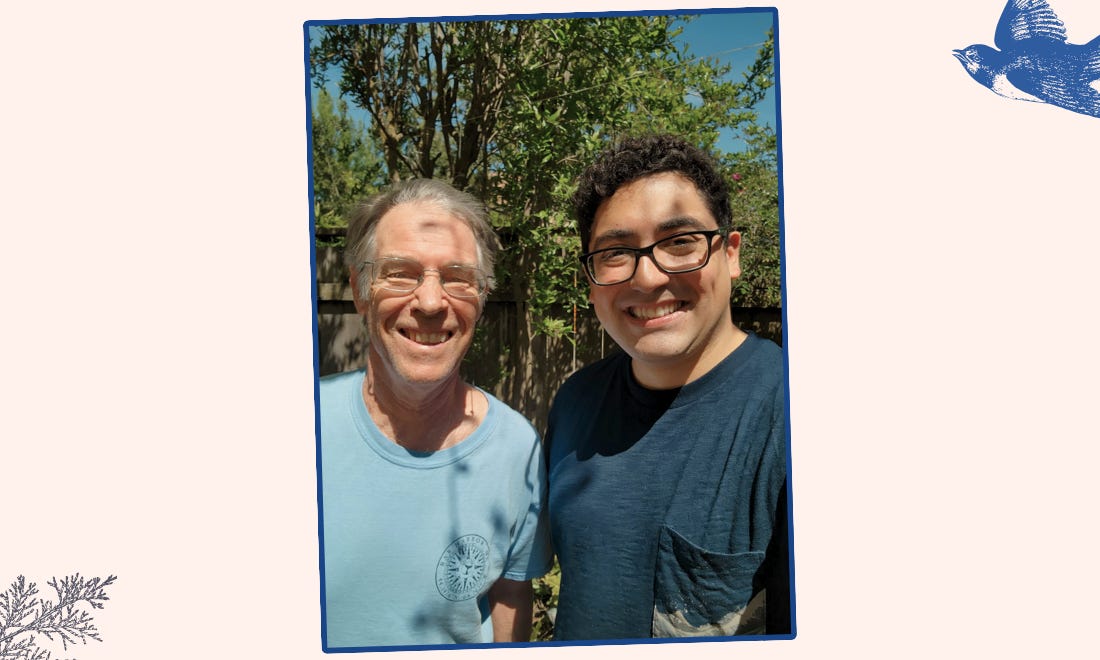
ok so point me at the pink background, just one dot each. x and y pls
(941, 283)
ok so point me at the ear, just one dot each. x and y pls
(733, 254)
(482, 303)
(361, 305)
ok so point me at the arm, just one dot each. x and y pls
(511, 604)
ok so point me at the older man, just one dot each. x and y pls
(668, 461)
(433, 491)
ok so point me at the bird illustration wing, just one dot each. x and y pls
(1028, 19)
(1070, 79)
(1046, 85)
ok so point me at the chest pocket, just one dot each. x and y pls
(702, 593)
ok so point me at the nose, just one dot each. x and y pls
(647, 276)
(429, 294)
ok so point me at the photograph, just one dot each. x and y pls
(552, 394)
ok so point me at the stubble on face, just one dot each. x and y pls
(674, 327)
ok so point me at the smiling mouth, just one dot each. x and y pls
(427, 338)
(656, 311)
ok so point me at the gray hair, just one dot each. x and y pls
(363, 222)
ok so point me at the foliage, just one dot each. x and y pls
(756, 215)
(23, 615)
(546, 604)
(345, 163)
(755, 204)
(513, 111)
(755, 196)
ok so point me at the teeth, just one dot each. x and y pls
(654, 312)
(428, 337)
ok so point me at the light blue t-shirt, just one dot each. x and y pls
(412, 541)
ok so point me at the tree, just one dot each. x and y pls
(513, 110)
(345, 162)
(755, 201)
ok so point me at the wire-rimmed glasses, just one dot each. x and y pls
(405, 275)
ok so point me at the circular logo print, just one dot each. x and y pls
(462, 568)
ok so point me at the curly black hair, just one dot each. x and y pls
(635, 157)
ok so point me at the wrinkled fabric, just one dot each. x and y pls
(668, 508)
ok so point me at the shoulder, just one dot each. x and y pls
(336, 397)
(764, 360)
(340, 381)
(510, 438)
(592, 378)
(508, 419)
(750, 384)
(764, 350)
(334, 390)
(765, 375)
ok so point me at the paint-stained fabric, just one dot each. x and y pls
(668, 508)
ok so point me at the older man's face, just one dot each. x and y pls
(420, 337)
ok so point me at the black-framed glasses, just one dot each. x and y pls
(680, 253)
(405, 275)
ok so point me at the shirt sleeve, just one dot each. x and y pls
(530, 554)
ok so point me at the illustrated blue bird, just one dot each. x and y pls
(1035, 61)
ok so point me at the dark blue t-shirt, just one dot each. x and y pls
(668, 508)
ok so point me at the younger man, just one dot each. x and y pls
(667, 462)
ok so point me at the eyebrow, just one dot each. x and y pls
(449, 264)
(678, 222)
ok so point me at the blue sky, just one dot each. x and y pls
(732, 37)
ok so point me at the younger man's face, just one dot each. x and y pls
(666, 323)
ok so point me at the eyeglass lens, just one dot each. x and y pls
(405, 275)
(676, 254)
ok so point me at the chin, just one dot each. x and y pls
(428, 369)
(649, 349)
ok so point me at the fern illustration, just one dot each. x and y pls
(26, 618)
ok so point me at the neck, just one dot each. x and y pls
(678, 371)
(423, 418)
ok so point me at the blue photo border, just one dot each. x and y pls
(307, 25)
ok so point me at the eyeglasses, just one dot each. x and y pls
(681, 253)
(405, 275)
